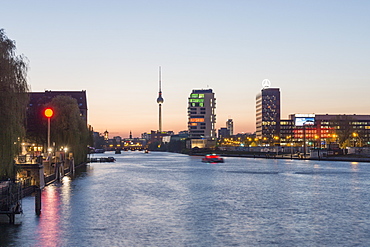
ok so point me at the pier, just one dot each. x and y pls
(10, 199)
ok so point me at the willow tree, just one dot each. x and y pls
(68, 129)
(13, 103)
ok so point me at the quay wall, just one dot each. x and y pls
(347, 158)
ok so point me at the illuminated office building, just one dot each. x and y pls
(320, 130)
(201, 113)
(268, 115)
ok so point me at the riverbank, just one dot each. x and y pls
(348, 158)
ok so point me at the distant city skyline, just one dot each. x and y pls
(316, 52)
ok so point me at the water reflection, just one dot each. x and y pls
(55, 202)
(200, 207)
(48, 229)
(162, 199)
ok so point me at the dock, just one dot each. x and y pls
(10, 199)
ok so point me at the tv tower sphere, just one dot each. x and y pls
(160, 100)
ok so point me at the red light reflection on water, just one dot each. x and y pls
(49, 222)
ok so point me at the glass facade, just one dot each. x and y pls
(201, 114)
(344, 130)
(268, 116)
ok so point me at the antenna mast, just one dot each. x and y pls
(160, 79)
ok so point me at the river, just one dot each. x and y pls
(168, 199)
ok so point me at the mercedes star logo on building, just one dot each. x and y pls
(266, 83)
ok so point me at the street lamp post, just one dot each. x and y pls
(48, 114)
(306, 123)
(304, 139)
(355, 137)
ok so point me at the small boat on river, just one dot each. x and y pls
(212, 158)
(101, 159)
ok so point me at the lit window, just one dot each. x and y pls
(196, 100)
(196, 120)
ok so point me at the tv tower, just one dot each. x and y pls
(160, 101)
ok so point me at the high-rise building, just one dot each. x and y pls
(202, 116)
(268, 115)
(160, 101)
(230, 126)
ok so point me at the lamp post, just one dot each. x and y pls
(304, 139)
(48, 114)
(306, 123)
(355, 137)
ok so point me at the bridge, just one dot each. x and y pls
(126, 146)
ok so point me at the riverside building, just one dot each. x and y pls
(38, 100)
(306, 130)
(201, 118)
(268, 114)
(322, 130)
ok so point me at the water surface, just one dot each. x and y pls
(166, 199)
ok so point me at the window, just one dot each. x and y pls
(196, 120)
(196, 100)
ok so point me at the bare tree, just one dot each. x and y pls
(343, 129)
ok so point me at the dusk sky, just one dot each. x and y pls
(316, 52)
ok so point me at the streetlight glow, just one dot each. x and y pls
(48, 112)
